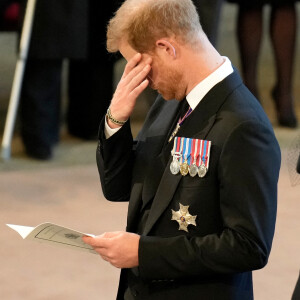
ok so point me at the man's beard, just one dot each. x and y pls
(171, 87)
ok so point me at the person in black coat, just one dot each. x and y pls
(200, 178)
(209, 12)
(90, 84)
(65, 29)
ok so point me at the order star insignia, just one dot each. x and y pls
(183, 217)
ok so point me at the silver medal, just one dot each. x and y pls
(193, 170)
(175, 166)
(202, 170)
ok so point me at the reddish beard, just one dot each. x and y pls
(171, 86)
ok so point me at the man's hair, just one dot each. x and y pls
(142, 22)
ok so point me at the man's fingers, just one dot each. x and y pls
(139, 78)
(101, 241)
(111, 234)
(140, 88)
(88, 240)
(135, 72)
(132, 63)
(128, 76)
(96, 242)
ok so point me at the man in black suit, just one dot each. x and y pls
(201, 177)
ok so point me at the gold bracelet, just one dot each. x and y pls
(115, 121)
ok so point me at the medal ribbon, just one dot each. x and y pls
(193, 152)
(181, 120)
(174, 146)
(178, 144)
(200, 145)
(187, 147)
(203, 152)
(181, 149)
(190, 152)
(179, 123)
(207, 152)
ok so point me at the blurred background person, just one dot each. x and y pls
(59, 31)
(65, 29)
(209, 12)
(283, 37)
(90, 82)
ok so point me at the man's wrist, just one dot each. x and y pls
(111, 124)
(112, 121)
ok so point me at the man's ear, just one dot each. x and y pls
(167, 47)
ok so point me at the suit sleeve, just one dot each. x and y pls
(114, 160)
(248, 175)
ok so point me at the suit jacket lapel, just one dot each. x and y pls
(157, 166)
(197, 124)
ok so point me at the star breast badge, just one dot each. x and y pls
(183, 217)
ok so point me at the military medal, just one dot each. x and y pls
(193, 170)
(175, 165)
(190, 156)
(204, 154)
(202, 171)
(183, 217)
(184, 167)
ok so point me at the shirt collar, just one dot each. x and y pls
(202, 88)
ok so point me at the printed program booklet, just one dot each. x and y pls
(54, 234)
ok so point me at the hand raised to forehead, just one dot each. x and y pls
(133, 82)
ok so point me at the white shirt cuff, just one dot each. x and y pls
(108, 132)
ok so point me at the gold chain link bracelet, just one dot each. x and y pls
(112, 119)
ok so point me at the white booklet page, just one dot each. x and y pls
(54, 234)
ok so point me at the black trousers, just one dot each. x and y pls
(90, 88)
(40, 103)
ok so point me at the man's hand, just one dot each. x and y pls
(118, 248)
(131, 85)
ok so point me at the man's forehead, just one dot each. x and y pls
(126, 50)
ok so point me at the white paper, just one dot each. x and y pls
(54, 234)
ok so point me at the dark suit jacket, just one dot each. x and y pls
(235, 202)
